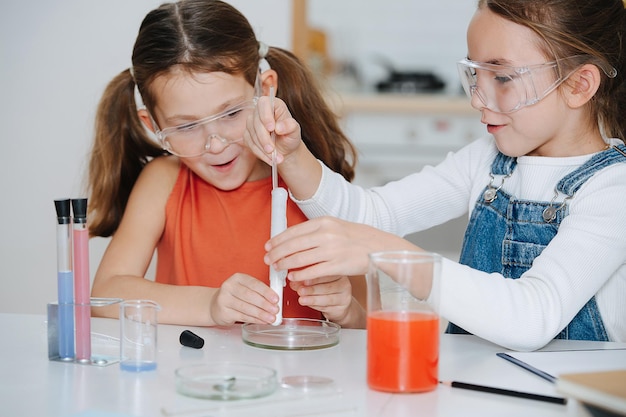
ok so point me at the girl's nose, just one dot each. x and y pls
(215, 143)
(477, 100)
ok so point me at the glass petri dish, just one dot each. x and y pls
(307, 383)
(292, 334)
(225, 381)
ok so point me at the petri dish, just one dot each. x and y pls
(225, 381)
(292, 334)
(307, 383)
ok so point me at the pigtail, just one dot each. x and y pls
(610, 99)
(319, 125)
(619, 110)
(120, 150)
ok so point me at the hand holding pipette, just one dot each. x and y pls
(278, 224)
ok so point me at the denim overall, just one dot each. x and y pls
(505, 235)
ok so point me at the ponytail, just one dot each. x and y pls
(120, 150)
(619, 108)
(610, 99)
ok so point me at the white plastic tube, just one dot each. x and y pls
(279, 224)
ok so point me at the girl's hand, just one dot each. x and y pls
(262, 122)
(333, 297)
(243, 298)
(328, 246)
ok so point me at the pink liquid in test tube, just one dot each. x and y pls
(81, 281)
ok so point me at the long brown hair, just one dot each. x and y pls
(196, 36)
(592, 28)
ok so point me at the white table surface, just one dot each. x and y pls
(31, 385)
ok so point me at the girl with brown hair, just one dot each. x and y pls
(169, 172)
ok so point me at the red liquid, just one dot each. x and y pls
(402, 351)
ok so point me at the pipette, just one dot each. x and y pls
(278, 224)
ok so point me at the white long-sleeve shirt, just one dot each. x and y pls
(586, 257)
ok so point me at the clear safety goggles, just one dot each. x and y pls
(195, 138)
(506, 89)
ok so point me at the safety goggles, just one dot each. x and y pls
(197, 137)
(506, 89)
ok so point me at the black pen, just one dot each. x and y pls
(502, 391)
(528, 367)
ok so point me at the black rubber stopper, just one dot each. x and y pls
(79, 206)
(63, 211)
(190, 339)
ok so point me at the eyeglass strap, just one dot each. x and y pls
(263, 64)
(138, 99)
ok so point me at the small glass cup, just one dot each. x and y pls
(138, 335)
(402, 327)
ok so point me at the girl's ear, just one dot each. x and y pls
(145, 118)
(582, 85)
(269, 78)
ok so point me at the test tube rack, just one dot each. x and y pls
(105, 354)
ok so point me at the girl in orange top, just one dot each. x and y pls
(197, 195)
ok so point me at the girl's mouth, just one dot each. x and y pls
(494, 128)
(225, 166)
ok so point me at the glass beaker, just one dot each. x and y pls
(138, 335)
(402, 325)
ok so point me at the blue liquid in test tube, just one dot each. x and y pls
(65, 280)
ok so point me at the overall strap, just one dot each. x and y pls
(573, 181)
(503, 165)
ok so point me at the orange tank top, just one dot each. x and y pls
(211, 234)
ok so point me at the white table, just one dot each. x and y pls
(31, 385)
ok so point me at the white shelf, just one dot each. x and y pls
(344, 103)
